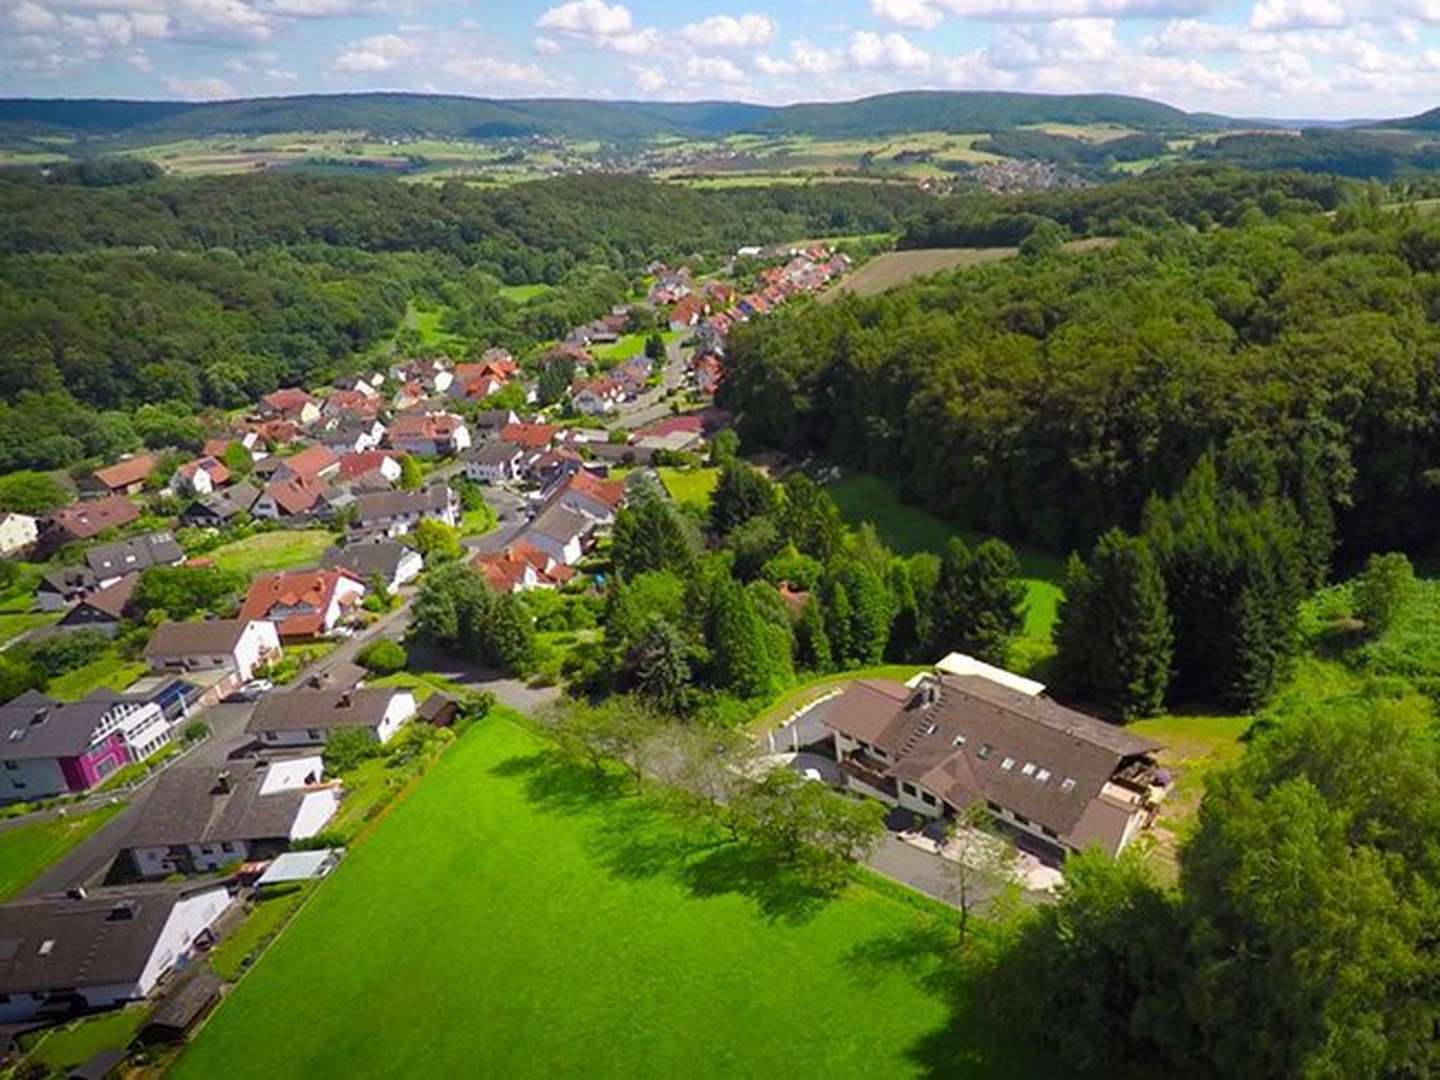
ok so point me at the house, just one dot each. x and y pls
(308, 717)
(611, 454)
(686, 313)
(310, 465)
(200, 477)
(395, 513)
(303, 603)
(87, 951)
(946, 742)
(594, 397)
(239, 646)
(586, 494)
(494, 462)
(198, 818)
(86, 520)
(291, 404)
(109, 562)
(488, 423)
(561, 534)
(352, 403)
(521, 566)
(222, 507)
(530, 436)
(390, 561)
(17, 533)
(632, 374)
(125, 477)
(48, 747)
(428, 376)
(292, 499)
(58, 589)
(353, 436)
(429, 434)
(366, 463)
(277, 432)
(438, 709)
(104, 609)
(478, 381)
(218, 448)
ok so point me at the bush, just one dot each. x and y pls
(383, 657)
(67, 651)
(196, 730)
(347, 749)
(328, 838)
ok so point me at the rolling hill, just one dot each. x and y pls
(134, 123)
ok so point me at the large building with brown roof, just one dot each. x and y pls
(303, 603)
(306, 717)
(84, 520)
(949, 742)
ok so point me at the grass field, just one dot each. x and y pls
(818, 687)
(75, 1044)
(520, 294)
(893, 268)
(689, 485)
(229, 958)
(109, 670)
(514, 918)
(285, 549)
(26, 850)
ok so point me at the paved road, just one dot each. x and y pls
(651, 405)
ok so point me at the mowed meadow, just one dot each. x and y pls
(515, 917)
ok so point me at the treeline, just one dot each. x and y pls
(1359, 154)
(526, 233)
(1067, 150)
(1199, 196)
(1047, 399)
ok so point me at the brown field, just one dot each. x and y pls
(899, 267)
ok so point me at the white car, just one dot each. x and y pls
(253, 690)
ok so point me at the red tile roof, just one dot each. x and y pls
(290, 399)
(313, 589)
(439, 426)
(296, 496)
(218, 471)
(86, 519)
(124, 473)
(311, 462)
(609, 492)
(530, 436)
(359, 462)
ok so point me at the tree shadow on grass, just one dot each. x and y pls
(637, 837)
(968, 1043)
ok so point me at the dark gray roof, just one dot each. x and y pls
(379, 505)
(68, 579)
(435, 705)
(558, 523)
(202, 637)
(369, 557)
(35, 726)
(495, 452)
(493, 419)
(103, 940)
(622, 453)
(185, 1003)
(193, 805)
(299, 710)
(137, 553)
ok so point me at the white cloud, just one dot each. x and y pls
(200, 89)
(920, 14)
(649, 80)
(378, 53)
(281, 75)
(600, 25)
(485, 70)
(729, 32)
(804, 59)
(891, 52)
(1036, 10)
(707, 69)
(546, 46)
(1297, 14)
(29, 18)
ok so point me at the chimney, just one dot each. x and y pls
(344, 701)
(76, 892)
(222, 784)
(123, 911)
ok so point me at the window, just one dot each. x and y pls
(909, 789)
(1068, 784)
(994, 808)
(1008, 764)
(1051, 833)
(12, 765)
(227, 846)
(985, 751)
(1042, 775)
(927, 798)
(313, 734)
(1028, 769)
(959, 740)
(1021, 819)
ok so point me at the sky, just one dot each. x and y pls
(1309, 59)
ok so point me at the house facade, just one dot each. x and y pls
(390, 561)
(395, 513)
(494, 462)
(946, 742)
(17, 533)
(308, 717)
(99, 951)
(429, 434)
(303, 603)
(49, 747)
(240, 646)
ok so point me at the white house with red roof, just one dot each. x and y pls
(429, 434)
(200, 477)
(303, 603)
(521, 566)
(587, 494)
(291, 404)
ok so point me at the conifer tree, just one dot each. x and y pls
(952, 619)
(997, 601)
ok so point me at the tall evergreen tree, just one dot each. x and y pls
(650, 533)
(662, 665)
(838, 622)
(812, 644)
(742, 492)
(953, 617)
(997, 601)
(1113, 634)
(810, 519)
(870, 615)
(741, 644)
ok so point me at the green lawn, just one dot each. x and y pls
(512, 918)
(908, 529)
(26, 850)
(109, 670)
(228, 959)
(520, 294)
(689, 485)
(76, 1044)
(821, 685)
(15, 623)
(479, 521)
(285, 549)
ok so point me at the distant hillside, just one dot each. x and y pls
(1426, 121)
(389, 115)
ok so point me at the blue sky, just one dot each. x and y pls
(1285, 58)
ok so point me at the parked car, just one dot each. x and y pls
(253, 690)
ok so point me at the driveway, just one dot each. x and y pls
(467, 673)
